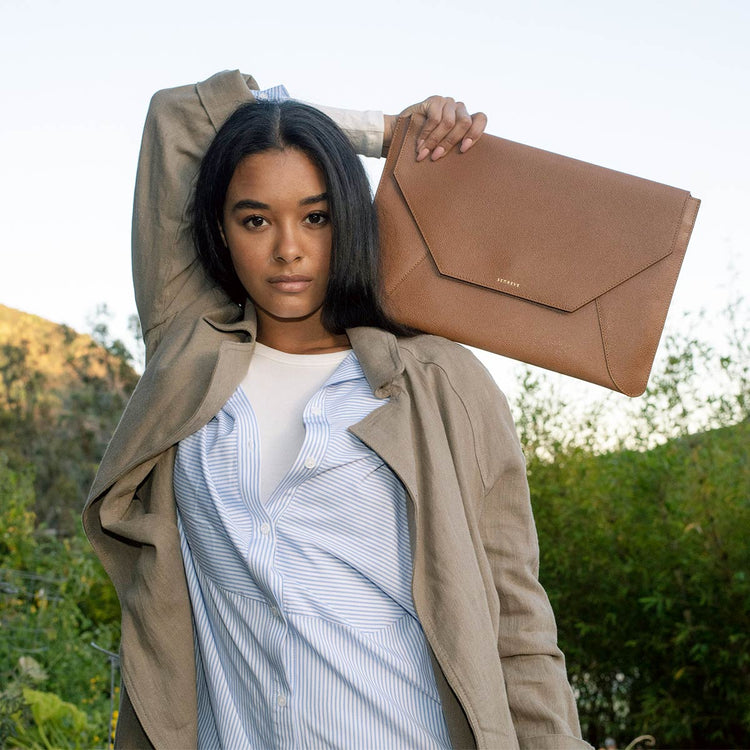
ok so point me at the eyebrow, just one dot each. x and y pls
(249, 203)
(314, 199)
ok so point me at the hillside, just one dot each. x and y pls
(61, 356)
(61, 394)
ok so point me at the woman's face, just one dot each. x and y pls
(277, 226)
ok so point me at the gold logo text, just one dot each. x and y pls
(509, 283)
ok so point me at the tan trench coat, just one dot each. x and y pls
(445, 431)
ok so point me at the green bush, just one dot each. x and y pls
(55, 600)
(647, 565)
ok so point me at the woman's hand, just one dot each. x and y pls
(447, 124)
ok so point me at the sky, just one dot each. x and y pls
(659, 89)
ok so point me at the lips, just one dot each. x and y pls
(291, 283)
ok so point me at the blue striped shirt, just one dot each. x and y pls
(305, 629)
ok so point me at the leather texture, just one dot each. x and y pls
(536, 256)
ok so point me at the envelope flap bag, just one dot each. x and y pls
(561, 231)
(536, 256)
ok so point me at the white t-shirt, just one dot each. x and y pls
(279, 385)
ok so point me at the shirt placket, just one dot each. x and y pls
(260, 549)
(262, 559)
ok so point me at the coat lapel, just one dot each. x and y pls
(387, 430)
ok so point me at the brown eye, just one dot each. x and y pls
(254, 222)
(317, 218)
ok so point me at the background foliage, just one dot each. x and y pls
(60, 397)
(643, 527)
(61, 394)
(642, 507)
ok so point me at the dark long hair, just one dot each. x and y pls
(352, 297)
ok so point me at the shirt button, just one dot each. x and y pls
(265, 528)
(275, 612)
(309, 462)
(281, 699)
(316, 411)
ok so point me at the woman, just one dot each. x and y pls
(375, 584)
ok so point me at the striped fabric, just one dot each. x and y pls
(273, 94)
(306, 634)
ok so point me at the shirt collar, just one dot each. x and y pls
(348, 369)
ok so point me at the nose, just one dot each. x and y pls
(288, 246)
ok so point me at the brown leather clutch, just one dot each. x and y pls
(536, 256)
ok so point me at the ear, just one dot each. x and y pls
(223, 236)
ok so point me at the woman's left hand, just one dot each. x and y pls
(447, 125)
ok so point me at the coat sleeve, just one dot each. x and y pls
(180, 125)
(541, 701)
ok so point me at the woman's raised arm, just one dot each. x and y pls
(180, 125)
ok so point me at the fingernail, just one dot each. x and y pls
(437, 153)
(423, 154)
(420, 143)
(466, 145)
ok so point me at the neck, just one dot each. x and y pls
(299, 336)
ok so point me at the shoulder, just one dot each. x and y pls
(449, 375)
(458, 365)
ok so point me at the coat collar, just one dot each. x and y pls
(379, 356)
